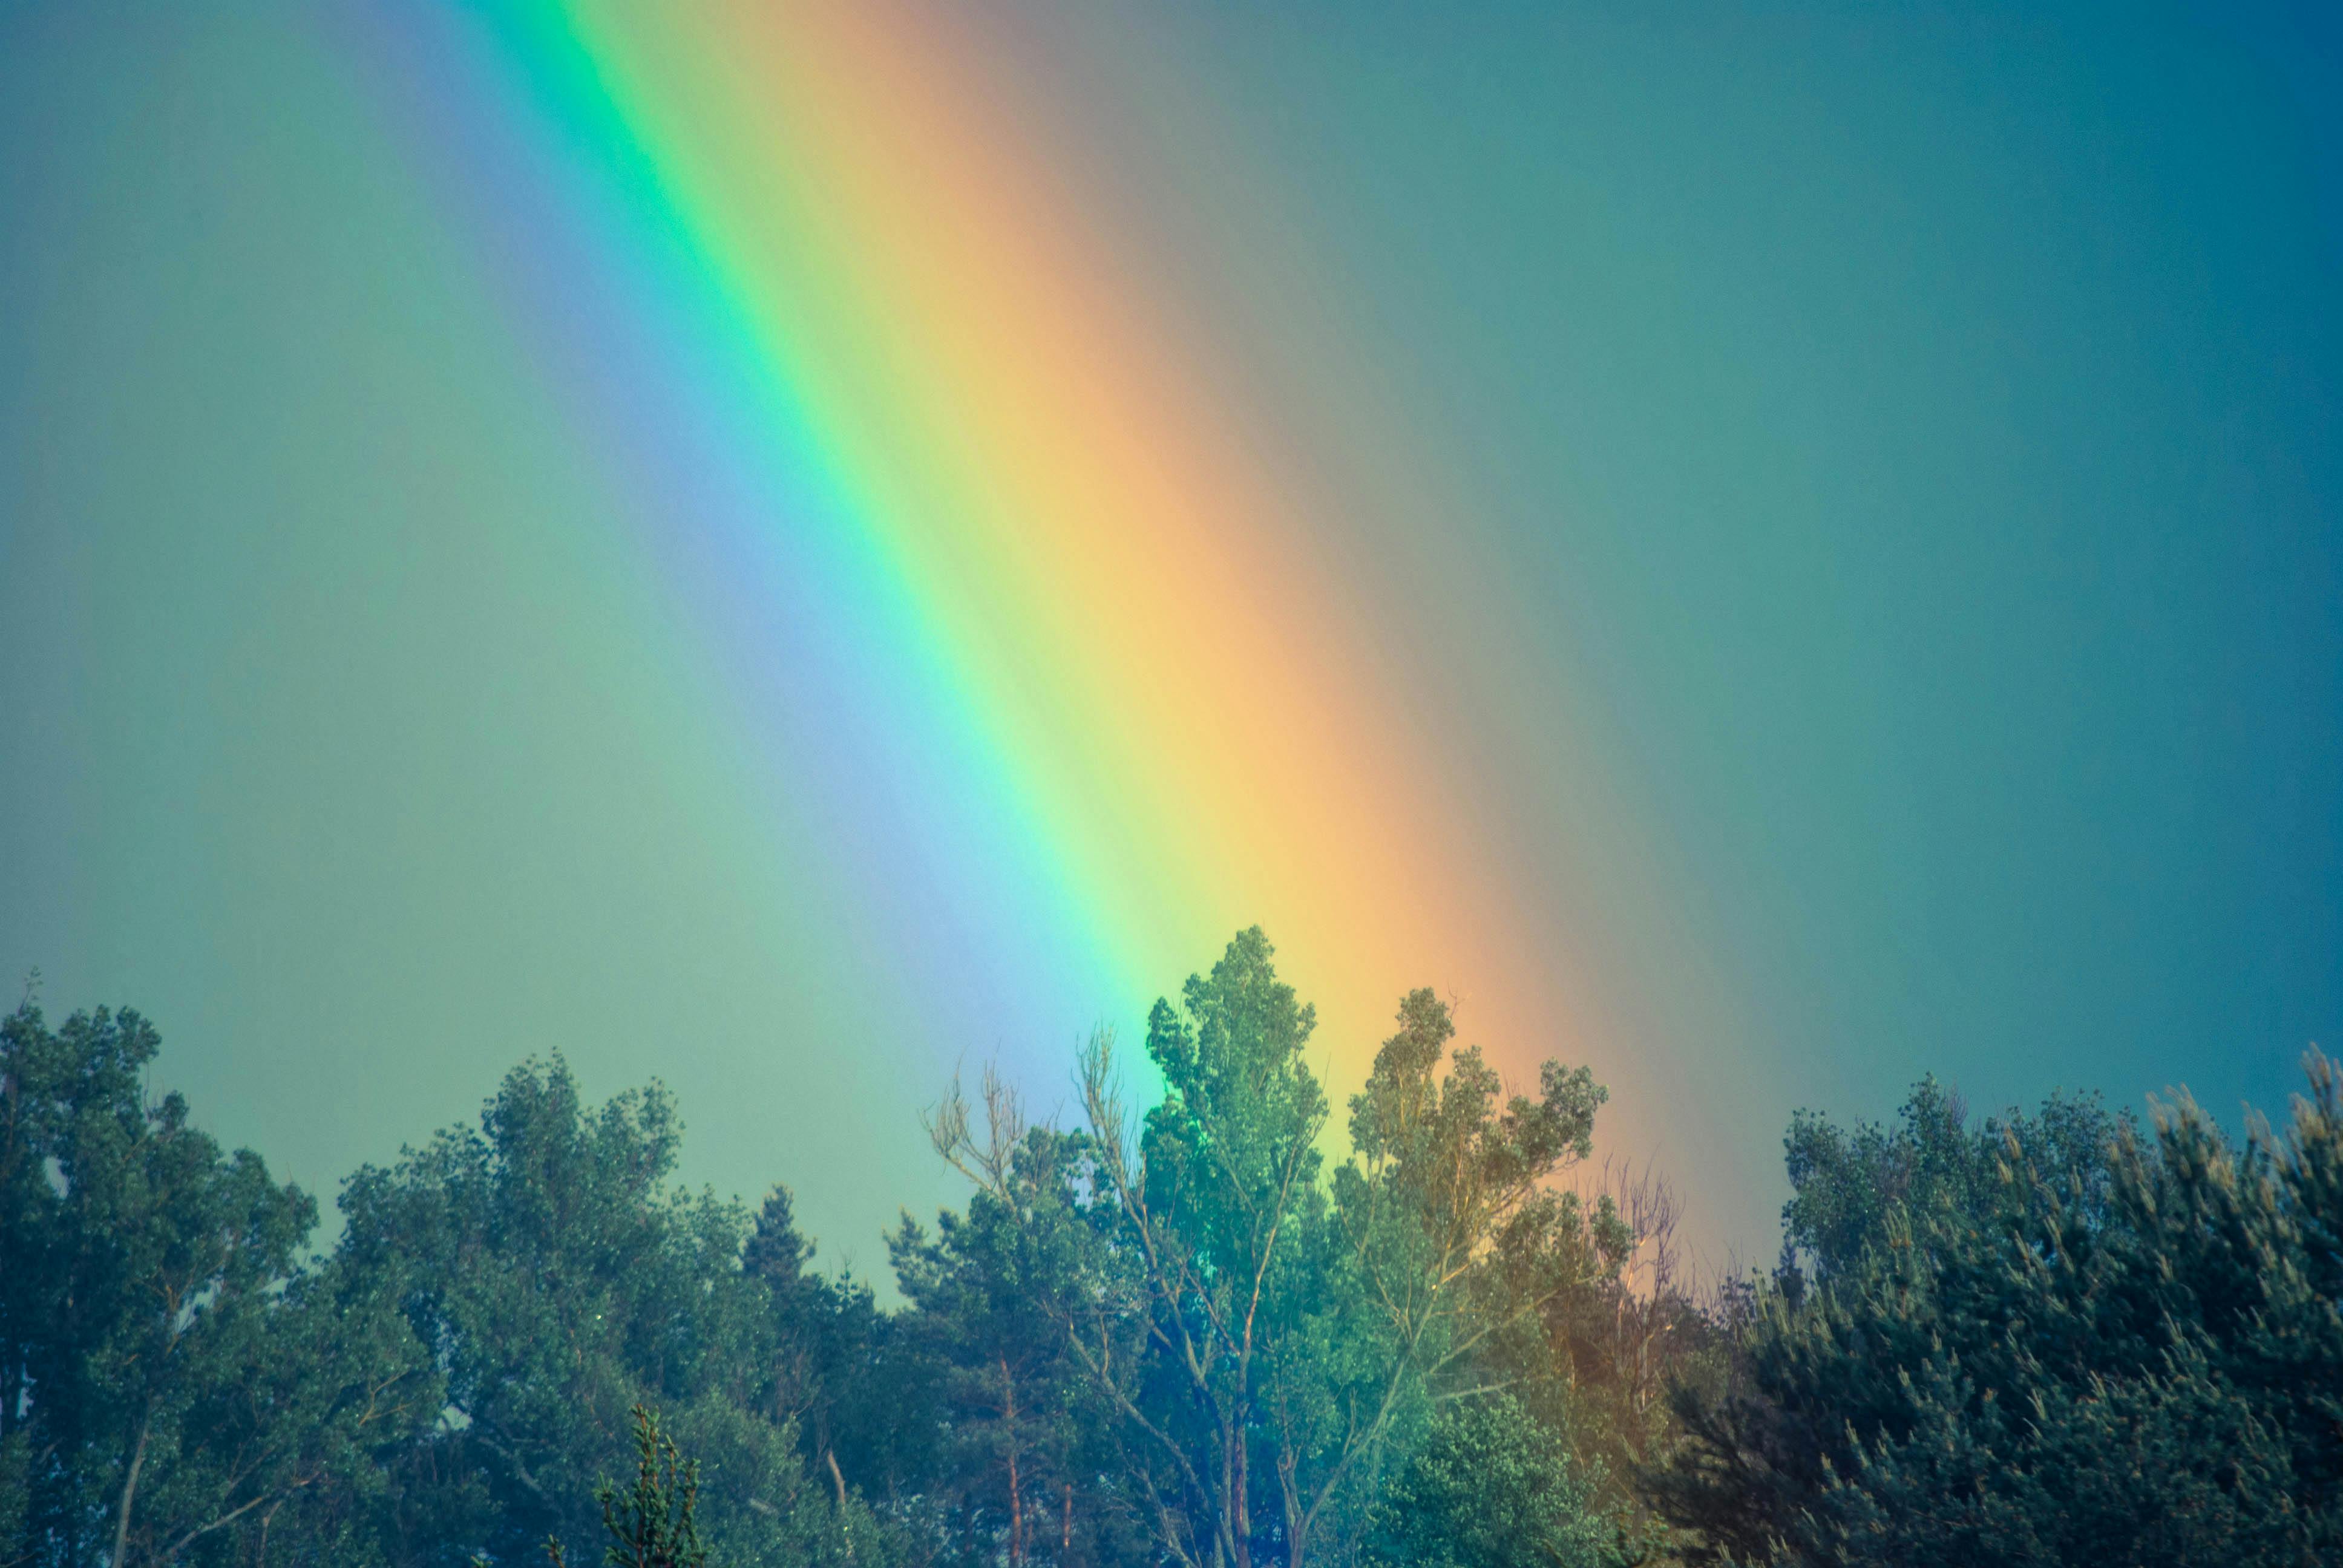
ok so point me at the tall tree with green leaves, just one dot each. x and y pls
(561, 1282)
(1851, 1186)
(654, 1523)
(838, 1374)
(1026, 1462)
(1260, 1341)
(175, 1385)
(1490, 1485)
(2118, 1355)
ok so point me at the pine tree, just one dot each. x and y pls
(2114, 1356)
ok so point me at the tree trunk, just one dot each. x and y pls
(130, 1489)
(1016, 1499)
(829, 1457)
(1243, 1499)
(837, 1481)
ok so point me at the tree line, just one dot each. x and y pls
(1228, 1329)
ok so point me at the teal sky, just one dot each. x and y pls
(1899, 449)
(1917, 427)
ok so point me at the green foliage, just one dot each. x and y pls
(843, 1373)
(16, 1497)
(1188, 1337)
(1238, 1345)
(176, 1385)
(651, 1524)
(1022, 1461)
(1852, 1187)
(2120, 1353)
(1209, 1334)
(563, 1283)
(1617, 1348)
(1490, 1486)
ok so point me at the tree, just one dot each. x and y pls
(1216, 1213)
(844, 1375)
(654, 1523)
(1025, 1448)
(1491, 1486)
(1191, 1337)
(173, 1380)
(561, 1283)
(2133, 1356)
(1620, 1347)
(1256, 1338)
(1851, 1187)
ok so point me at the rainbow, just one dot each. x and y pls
(1043, 632)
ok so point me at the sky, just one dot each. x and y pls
(800, 550)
